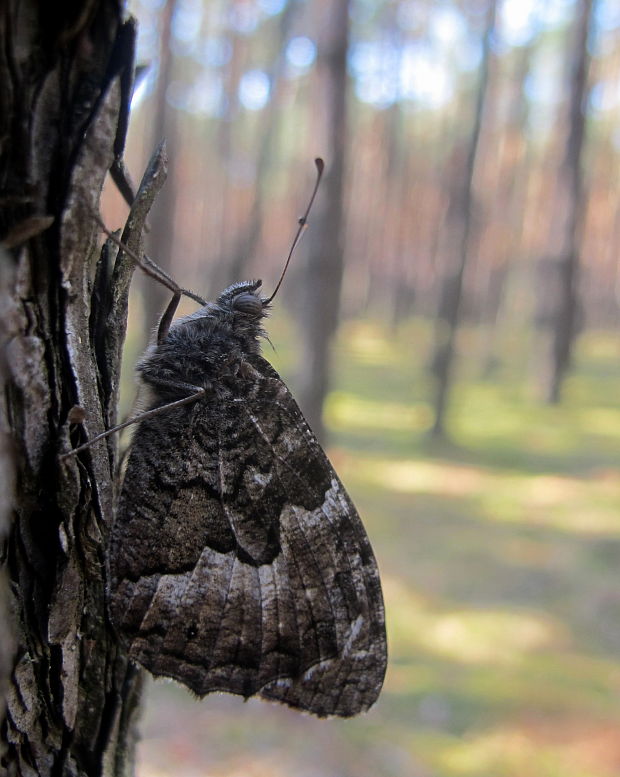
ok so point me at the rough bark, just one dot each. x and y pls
(321, 298)
(7, 475)
(567, 226)
(460, 226)
(66, 75)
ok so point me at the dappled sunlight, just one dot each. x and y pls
(510, 752)
(604, 421)
(483, 415)
(346, 410)
(466, 636)
(506, 749)
(254, 765)
(416, 476)
(369, 344)
(490, 637)
(568, 504)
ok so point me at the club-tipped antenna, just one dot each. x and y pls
(320, 166)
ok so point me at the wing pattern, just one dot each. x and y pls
(242, 565)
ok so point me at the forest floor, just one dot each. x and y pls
(500, 560)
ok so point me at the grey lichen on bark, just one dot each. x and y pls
(71, 694)
(7, 477)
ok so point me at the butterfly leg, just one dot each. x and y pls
(166, 319)
(198, 393)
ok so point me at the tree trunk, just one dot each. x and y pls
(66, 75)
(508, 190)
(320, 300)
(7, 477)
(569, 209)
(459, 223)
(244, 248)
(225, 203)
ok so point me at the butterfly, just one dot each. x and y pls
(238, 563)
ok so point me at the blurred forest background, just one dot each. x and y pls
(449, 326)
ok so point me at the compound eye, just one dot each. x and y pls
(247, 303)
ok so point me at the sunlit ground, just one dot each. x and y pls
(500, 556)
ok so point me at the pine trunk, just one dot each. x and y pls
(460, 226)
(320, 302)
(66, 77)
(566, 312)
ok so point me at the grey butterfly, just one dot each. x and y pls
(238, 562)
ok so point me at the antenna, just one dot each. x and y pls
(320, 166)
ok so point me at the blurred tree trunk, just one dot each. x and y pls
(569, 207)
(459, 227)
(226, 201)
(320, 300)
(401, 288)
(507, 189)
(162, 223)
(66, 73)
(245, 247)
(395, 220)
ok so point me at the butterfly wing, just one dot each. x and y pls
(242, 565)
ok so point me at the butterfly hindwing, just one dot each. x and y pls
(242, 565)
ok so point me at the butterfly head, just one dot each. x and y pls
(240, 309)
(237, 312)
(243, 302)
